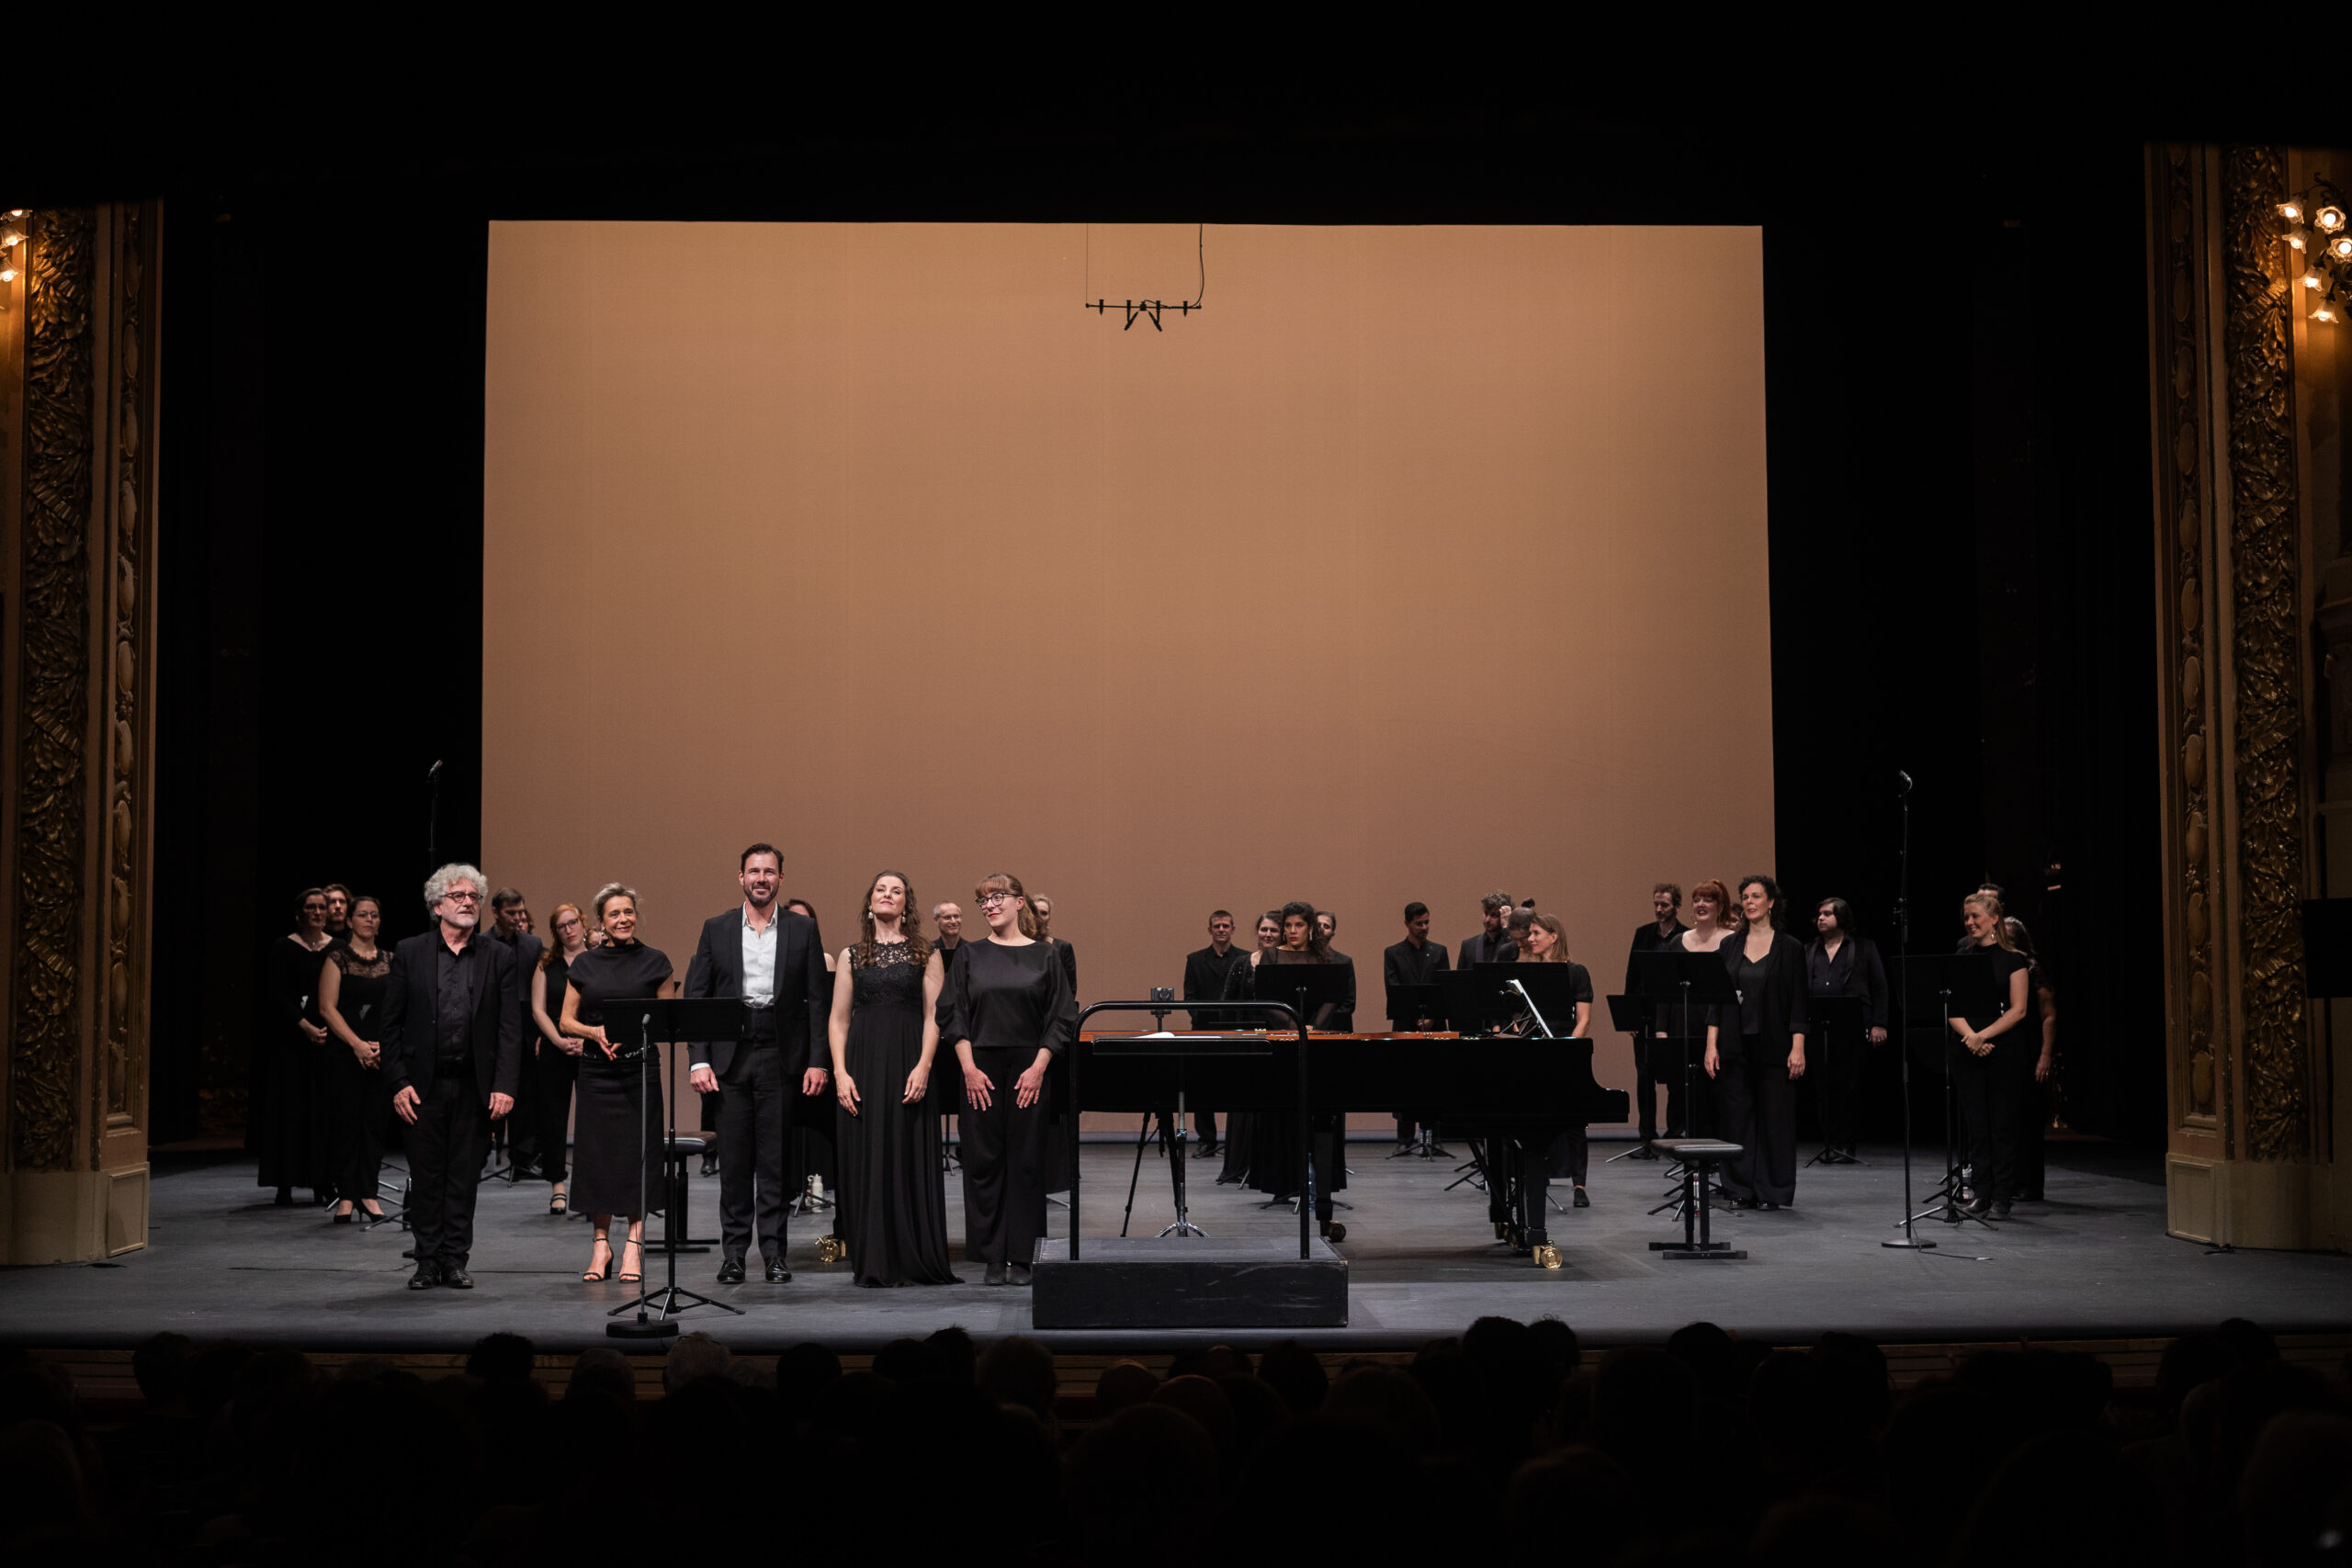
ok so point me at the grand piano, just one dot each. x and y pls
(1509, 1093)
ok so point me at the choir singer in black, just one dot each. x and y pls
(1839, 964)
(1011, 1013)
(1207, 972)
(1755, 1051)
(771, 958)
(453, 1035)
(1654, 1065)
(1416, 960)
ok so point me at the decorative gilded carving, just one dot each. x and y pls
(2181, 436)
(121, 1090)
(2267, 654)
(52, 689)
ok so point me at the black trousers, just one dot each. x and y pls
(1004, 1165)
(1991, 1090)
(1834, 1062)
(1518, 1172)
(1759, 1108)
(752, 1106)
(558, 1071)
(447, 1145)
(1659, 1064)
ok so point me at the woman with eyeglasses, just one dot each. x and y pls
(559, 1053)
(892, 1206)
(289, 1120)
(1240, 1126)
(616, 1147)
(351, 1004)
(1010, 1014)
(1756, 1046)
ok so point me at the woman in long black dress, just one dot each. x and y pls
(351, 1003)
(1240, 1126)
(1993, 1062)
(1756, 1046)
(890, 1205)
(289, 1110)
(559, 1053)
(620, 1099)
(1273, 1135)
(1010, 1013)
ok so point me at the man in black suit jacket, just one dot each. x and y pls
(1206, 974)
(512, 913)
(1656, 1061)
(1416, 960)
(1492, 945)
(452, 1037)
(770, 958)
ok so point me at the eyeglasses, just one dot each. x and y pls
(988, 899)
(456, 898)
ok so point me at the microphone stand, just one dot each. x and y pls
(1903, 1014)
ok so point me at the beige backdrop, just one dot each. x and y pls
(1422, 561)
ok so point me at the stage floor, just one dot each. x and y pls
(2093, 1261)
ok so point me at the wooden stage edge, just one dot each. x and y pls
(102, 1378)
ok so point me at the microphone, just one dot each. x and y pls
(1901, 777)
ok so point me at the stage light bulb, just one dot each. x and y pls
(7, 274)
(2311, 280)
(2341, 246)
(16, 212)
(2290, 212)
(2329, 219)
(2295, 238)
(2325, 313)
(11, 237)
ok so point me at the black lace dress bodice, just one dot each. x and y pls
(892, 980)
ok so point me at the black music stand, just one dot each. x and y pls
(1937, 988)
(656, 1020)
(1633, 1015)
(1840, 1019)
(1679, 979)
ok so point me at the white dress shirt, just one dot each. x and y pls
(759, 960)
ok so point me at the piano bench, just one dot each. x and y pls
(1697, 1156)
(681, 1146)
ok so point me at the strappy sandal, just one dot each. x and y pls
(606, 1271)
(628, 1278)
(558, 1204)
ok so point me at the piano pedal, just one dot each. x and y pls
(1548, 1255)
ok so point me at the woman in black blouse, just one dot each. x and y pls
(1240, 1126)
(1755, 1051)
(1010, 1014)
(1992, 1064)
(1569, 1155)
(351, 1004)
(620, 1099)
(1273, 1153)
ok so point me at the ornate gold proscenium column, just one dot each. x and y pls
(2241, 757)
(78, 356)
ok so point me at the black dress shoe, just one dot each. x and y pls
(777, 1273)
(1020, 1274)
(731, 1270)
(453, 1275)
(1582, 1200)
(993, 1275)
(427, 1275)
(710, 1165)
(1205, 1149)
(1999, 1211)
(1643, 1152)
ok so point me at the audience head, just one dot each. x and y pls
(693, 1356)
(960, 1356)
(1019, 1371)
(1296, 1374)
(602, 1372)
(501, 1355)
(1123, 1384)
(160, 1366)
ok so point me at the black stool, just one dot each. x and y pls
(1697, 1155)
(684, 1148)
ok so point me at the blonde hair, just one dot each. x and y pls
(612, 890)
(1992, 906)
